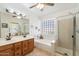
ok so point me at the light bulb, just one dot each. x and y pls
(40, 6)
(10, 10)
(18, 13)
(23, 14)
(53, 41)
(18, 17)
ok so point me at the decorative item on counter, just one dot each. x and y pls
(24, 35)
(8, 37)
(36, 27)
(16, 34)
(41, 37)
(31, 26)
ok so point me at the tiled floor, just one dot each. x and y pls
(40, 52)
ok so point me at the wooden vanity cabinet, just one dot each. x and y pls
(28, 46)
(17, 49)
(31, 44)
(25, 47)
(6, 50)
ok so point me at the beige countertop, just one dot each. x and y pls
(15, 39)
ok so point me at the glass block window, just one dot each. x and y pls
(48, 26)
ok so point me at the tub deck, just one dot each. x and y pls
(45, 45)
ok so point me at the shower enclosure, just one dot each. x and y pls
(68, 35)
(77, 34)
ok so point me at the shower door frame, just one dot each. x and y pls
(0, 25)
(74, 35)
(74, 32)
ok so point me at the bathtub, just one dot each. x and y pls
(46, 45)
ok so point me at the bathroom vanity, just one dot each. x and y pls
(14, 29)
(17, 46)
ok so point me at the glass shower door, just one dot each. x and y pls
(77, 34)
(65, 32)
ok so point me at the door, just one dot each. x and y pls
(31, 44)
(0, 26)
(65, 32)
(25, 47)
(77, 34)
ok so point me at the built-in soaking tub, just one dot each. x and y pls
(46, 45)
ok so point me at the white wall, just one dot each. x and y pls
(61, 13)
(34, 22)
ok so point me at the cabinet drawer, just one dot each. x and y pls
(5, 47)
(17, 44)
(18, 53)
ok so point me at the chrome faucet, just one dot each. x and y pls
(25, 34)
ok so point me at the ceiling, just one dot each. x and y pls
(24, 8)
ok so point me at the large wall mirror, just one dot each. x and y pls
(26, 28)
(15, 26)
(14, 29)
(17, 29)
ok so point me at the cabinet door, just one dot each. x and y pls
(25, 44)
(18, 48)
(18, 53)
(7, 52)
(25, 47)
(31, 44)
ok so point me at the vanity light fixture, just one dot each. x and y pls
(17, 14)
(9, 10)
